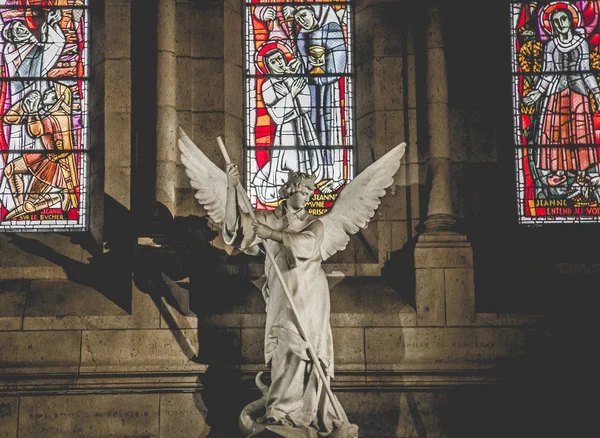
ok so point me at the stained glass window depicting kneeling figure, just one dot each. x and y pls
(299, 101)
(44, 119)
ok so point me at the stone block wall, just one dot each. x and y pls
(94, 345)
(110, 109)
(210, 87)
(156, 373)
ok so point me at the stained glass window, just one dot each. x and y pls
(44, 120)
(556, 106)
(299, 101)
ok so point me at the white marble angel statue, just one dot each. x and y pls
(297, 402)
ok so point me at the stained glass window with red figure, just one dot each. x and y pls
(299, 110)
(44, 118)
(556, 108)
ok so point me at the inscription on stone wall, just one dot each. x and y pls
(406, 345)
(439, 345)
(85, 415)
(129, 415)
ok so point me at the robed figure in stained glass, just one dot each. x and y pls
(322, 48)
(563, 95)
(288, 103)
(27, 57)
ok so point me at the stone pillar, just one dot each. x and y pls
(445, 293)
(440, 216)
(166, 117)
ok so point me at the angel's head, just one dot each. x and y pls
(298, 189)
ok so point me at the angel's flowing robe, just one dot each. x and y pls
(296, 396)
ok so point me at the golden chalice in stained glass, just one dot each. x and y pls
(317, 59)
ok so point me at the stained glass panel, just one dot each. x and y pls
(556, 103)
(299, 101)
(44, 118)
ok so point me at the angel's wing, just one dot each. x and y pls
(205, 176)
(356, 204)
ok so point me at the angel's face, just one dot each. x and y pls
(299, 199)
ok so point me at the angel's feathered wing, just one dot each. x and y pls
(205, 176)
(356, 204)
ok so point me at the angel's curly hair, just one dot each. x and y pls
(296, 180)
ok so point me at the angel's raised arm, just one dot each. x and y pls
(210, 183)
(237, 228)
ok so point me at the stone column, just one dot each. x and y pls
(445, 294)
(440, 216)
(166, 117)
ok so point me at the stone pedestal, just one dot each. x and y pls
(445, 292)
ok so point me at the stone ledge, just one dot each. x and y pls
(249, 320)
(185, 381)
